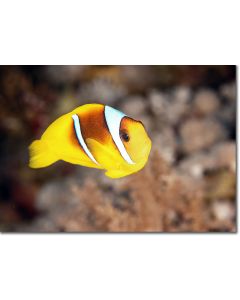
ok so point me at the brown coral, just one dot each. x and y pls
(153, 200)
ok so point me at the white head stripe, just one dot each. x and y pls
(80, 138)
(113, 118)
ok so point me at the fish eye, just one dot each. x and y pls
(124, 136)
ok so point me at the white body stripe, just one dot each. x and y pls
(113, 118)
(80, 138)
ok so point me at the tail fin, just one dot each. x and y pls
(40, 155)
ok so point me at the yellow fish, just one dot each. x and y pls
(95, 136)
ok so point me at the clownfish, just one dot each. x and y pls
(95, 136)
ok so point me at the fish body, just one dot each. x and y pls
(95, 136)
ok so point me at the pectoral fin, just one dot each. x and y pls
(102, 154)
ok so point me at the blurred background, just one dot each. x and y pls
(189, 183)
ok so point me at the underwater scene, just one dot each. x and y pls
(118, 148)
